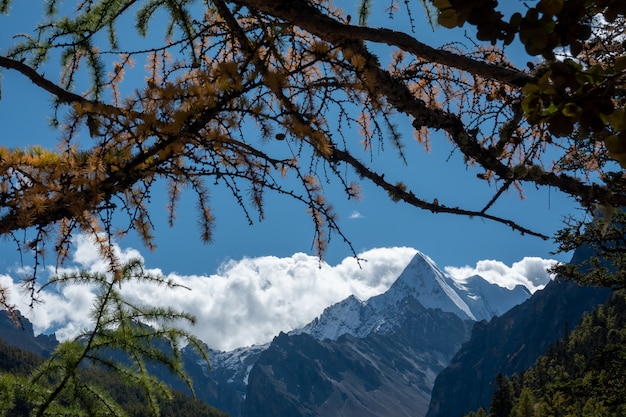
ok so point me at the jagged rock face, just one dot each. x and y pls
(23, 337)
(359, 358)
(374, 357)
(380, 374)
(509, 344)
(223, 386)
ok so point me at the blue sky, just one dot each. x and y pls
(372, 222)
(280, 247)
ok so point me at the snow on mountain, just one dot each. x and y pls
(421, 293)
(472, 299)
(430, 286)
(487, 300)
(346, 316)
(235, 364)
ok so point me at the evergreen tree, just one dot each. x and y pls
(582, 375)
(120, 342)
(502, 402)
(525, 406)
(594, 408)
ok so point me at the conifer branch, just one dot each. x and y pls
(401, 193)
(60, 93)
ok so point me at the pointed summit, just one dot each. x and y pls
(474, 299)
(431, 287)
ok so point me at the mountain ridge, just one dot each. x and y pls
(475, 299)
(412, 331)
(388, 373)
(530, 328)
(19, 332)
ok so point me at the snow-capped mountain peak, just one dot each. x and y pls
(419, 323)
(344, 317)
(430, 286)
(473, 299)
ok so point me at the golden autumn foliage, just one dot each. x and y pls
(302, 73)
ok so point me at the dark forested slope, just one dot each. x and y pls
(584, 374)
(510, 344)
(17, 344)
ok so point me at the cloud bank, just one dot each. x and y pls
(530, 272)
(249, 301)
(245, 302)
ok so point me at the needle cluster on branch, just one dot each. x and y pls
(304, 75)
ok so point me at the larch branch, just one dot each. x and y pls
(301, 13)
(63, 95)
(410, 198)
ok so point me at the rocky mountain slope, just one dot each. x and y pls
(21, 335)
(369, 357)
(360, 357)
(382, 373)
(510, 343)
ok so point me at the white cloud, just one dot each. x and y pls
(87, 256)
(246, 302)
(530, 272)
(249, 301)
(355, 215)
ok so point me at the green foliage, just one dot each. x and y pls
(120, 342)
(604, 237)
(135, 404)
(567, 94)
(16, 360)
(563, 94)
(502, 402)
(7, 393)
(542, 29)
(16, 364)
(525, 405)
(75, 33)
